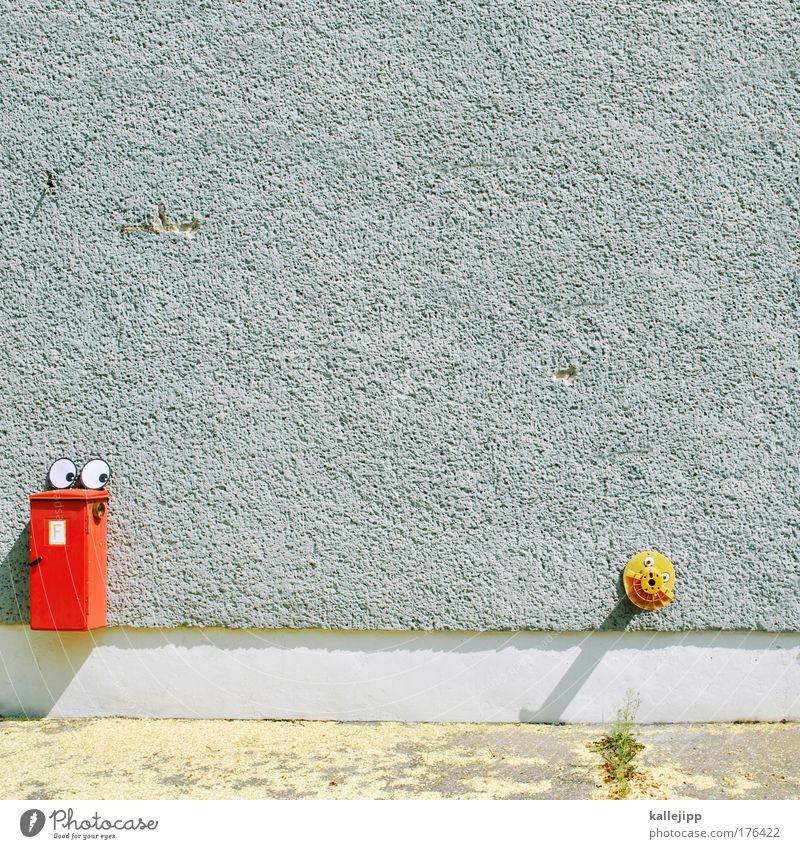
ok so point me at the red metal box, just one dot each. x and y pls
(68, 559)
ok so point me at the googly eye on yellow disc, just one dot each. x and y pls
(649, 580)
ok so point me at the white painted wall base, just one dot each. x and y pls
(414, 676)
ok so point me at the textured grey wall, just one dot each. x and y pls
(335, 406)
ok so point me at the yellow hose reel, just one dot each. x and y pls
(649, 580)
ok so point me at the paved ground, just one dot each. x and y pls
(199, 759)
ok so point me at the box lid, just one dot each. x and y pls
(74, 494)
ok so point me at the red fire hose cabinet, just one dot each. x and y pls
(68, 559)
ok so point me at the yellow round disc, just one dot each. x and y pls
(649, 580)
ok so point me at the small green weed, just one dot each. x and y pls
(619, 747)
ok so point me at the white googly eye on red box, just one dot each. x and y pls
(62, 473)
(95, 474)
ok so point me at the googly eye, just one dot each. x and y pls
(95, 474)
(665, 577)
(62, 473)
(648, 561)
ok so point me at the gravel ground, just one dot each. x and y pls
(201, 759)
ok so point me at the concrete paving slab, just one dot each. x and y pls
(719, 761)
(218, 759)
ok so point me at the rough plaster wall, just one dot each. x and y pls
(335, 407)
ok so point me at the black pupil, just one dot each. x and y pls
(103, 478)
(69, 476)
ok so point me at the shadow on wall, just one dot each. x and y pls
(14, 571)
(38, 667)
(591, 654)
(38, 663)
(392, 675)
